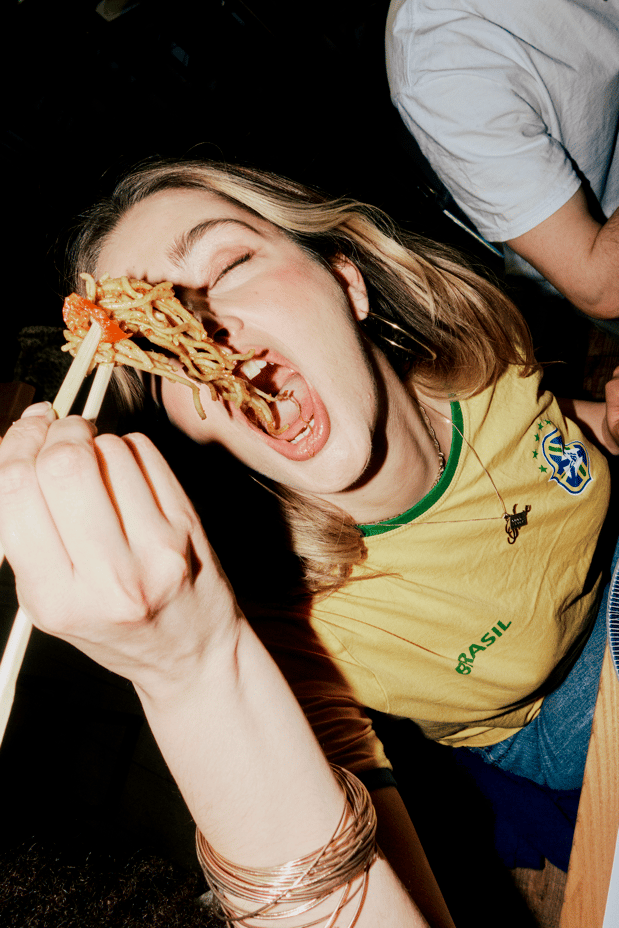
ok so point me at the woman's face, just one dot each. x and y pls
(253, 288)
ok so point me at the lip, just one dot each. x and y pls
(317, 436)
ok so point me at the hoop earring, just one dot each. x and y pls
(394, 325)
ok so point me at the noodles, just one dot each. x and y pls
(154, 313)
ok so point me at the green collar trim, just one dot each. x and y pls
(379, 528)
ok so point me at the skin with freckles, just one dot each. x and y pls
(253, 288)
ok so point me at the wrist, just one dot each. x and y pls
(207, 666)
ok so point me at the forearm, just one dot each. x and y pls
(144, 595)
(400, 843)
(578, 255)
(254, 776)
(244, 756)
(603, 297)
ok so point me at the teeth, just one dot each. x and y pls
(304, 433)
(252, 368)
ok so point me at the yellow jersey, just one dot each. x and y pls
(451, 622)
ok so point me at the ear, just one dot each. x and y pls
(353, 284)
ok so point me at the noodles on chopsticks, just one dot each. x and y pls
(126, 307)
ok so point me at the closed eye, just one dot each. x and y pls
(236, 263)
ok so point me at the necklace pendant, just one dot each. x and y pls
(514, 522)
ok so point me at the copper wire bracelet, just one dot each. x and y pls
(308, 880)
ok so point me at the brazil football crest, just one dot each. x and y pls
(570, 463)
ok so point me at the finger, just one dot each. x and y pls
(173, 503)
(38, 409)
(611, 421)
(138, 486)
(79, 503)
(170, 496)
(206, 578)
(612, 393)
(26, 527)
(165, 514)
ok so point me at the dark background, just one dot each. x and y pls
(296, 88)
(299, 89)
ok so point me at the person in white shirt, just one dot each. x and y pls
(516, 107)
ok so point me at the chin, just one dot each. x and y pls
(328, 474)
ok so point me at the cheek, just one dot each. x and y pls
(178, 402)
(304, 291)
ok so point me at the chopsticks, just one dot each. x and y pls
(17, 643)
(75, 377)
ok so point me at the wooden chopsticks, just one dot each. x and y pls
(17, 643)
(76, 373)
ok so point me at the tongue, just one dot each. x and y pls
(293, 412)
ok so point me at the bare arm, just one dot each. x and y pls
(109, 555)
(271, 796)
(398, 839)
(578, 255)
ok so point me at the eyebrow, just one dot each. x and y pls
(183, 244)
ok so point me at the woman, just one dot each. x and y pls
(411, 431)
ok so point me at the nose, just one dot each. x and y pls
(224, 330)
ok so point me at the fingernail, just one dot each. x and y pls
(44, 408)
(37, 409)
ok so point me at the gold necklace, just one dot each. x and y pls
(439, 450)
(514, 521)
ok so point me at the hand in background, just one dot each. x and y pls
(610, 425)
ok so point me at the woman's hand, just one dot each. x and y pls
(109, 555)
(108, 552)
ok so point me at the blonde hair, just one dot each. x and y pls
(432, 315)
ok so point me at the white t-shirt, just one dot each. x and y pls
(512, 103)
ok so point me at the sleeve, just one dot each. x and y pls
(340, 724)
(473, 98)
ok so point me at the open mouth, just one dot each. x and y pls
(301, 423)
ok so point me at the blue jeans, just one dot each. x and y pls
(552, 749)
